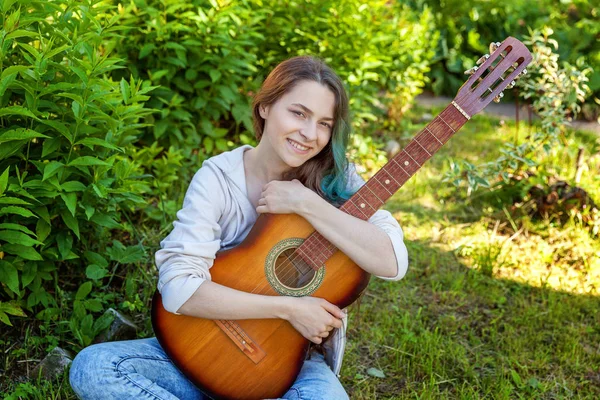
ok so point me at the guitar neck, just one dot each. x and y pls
(388, 180)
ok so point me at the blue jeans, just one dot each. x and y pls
(140, 369)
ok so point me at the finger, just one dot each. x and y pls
(262, 209)
(324, 334)
(333, 309)
(329, 328)
(336, 323)
(316, 340)
(262, 201)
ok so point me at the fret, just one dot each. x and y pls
(370, 197)
(374, 194)
(428, 141)
(406, 163)
(426, 130)
(444, 121)
(417, 152)
(366, 202)
(353, 210)
(395, 170)
(453, 118)
(359, 208)
(440, 130)
(428, 153)
(386, 182)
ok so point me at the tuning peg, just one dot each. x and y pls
(494, 46)
(497, 98)
(511, 85)
(523, 72)
(471, 71)
(482, 59)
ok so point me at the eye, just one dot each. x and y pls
(298, 113)
(327, 125)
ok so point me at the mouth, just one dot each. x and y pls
(297, 147)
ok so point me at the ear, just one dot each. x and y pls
(263, 111)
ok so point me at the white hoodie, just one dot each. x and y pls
(218, 215)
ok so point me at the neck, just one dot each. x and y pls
(264, 164)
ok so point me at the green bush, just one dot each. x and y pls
(65, 181)
(467, 28)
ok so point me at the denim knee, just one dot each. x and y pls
(84, 375)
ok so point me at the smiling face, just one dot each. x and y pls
(300, 123)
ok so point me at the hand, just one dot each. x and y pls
(283, 197)
(314, 317)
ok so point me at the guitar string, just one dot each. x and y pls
(289, 261)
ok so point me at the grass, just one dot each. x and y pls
(493, 306)
(484, 311)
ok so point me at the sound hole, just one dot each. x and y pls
(292, 271)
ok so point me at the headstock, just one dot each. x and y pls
(494, 73)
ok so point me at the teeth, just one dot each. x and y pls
(299, 147)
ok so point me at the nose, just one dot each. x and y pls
(309, 133)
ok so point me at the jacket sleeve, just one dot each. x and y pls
(189, 251)
(385, 221)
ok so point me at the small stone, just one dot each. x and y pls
(392, 148)
(122, 328)
(53, 364)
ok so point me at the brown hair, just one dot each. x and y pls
(332, 159)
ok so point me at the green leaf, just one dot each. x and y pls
(42, 229)
(16, 210)
(376, 372)
(28, 253)
(60, 127)
(17, 227)
(3, 181)
(65, 244)
(105, 220)
(13, 200)
(87, 160)
(95, 272)
(9, 276)
(52, 169)
(19, 134)
(95, 258)
(16, 237)
(83, 290)
(125, 92)
(73, 186)
(70, 200)
(28, 274)
(71, 222)
(91, 142)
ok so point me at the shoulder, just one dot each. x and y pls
(353, 180)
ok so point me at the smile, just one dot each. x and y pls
(298, 146)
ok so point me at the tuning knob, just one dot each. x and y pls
(482, 59)
(511, 85)
(497, 98)
(494, 46)
(471, 71)
(523, 72)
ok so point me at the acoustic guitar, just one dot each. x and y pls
(283, 255)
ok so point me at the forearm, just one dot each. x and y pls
(214, 301)
(364, 243)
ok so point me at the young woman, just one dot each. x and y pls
(299, 166)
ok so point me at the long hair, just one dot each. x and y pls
(325, 173)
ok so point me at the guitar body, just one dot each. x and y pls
(212, 359)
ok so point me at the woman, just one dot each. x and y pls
(299, 166)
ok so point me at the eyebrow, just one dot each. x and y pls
(309, 111)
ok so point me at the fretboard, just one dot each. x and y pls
(388, 180)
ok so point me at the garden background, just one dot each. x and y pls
(108, 109)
